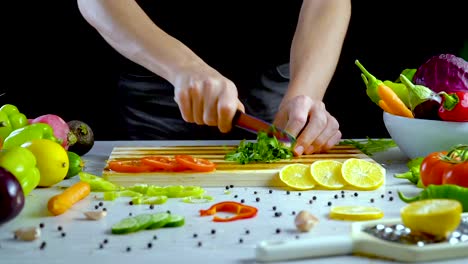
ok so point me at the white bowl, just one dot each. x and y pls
(419, 137)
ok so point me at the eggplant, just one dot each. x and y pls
(11, 196)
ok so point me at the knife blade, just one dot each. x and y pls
(255, 125)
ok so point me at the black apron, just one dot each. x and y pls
(236, 41)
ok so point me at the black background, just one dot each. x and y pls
(54, 62)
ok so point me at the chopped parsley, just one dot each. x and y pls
(265, 149)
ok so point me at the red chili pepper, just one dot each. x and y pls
(240, 210)
(454, 106)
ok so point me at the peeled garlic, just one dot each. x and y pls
(95, 215)
(28, 233)
(304, 221)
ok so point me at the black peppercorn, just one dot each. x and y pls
(199, 243)
(390, 199)
(257, 199)
(372, 200)
(129, 249)
(104, 209)
(213, 231)
(255, 192)
(63, 234)
(101, 204)
(101, 246)
(274, 208)
(227, 187)
(168, 211)
(155, 237)
(336, 196)
(293, 212)
(96, 207)
(59, 228)
(231, 186)
(288, 192)
(43, 245)
(278, 230)
(247, 231)
(195, 235)
(41, 225)
(235, 196)
(314, 198)
(150, 245)
(382, 196)
(299, 194)
(270, 191)
(105, 241)
(130, 203)
(329, 203)
(277, 214)
(241, 240)
(242, 201)
(130, 214)
(151, 206)
(355, 194)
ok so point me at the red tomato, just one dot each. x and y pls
(162, 163)
(128, 166)
(456, 174)
(196, 164)
(432, 168)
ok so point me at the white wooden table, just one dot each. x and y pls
(232, 242)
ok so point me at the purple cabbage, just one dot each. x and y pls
(444, 72)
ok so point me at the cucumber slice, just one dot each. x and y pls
(124, 226)
(144, 221)
(159, 220)
(175, 221)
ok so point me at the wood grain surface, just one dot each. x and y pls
(226, 173)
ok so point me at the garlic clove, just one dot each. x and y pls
(95, 215)
(305, 221)
(28, 233)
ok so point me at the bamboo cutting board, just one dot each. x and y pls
(226, 173)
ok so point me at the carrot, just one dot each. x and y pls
(60, 203)
(394, 103)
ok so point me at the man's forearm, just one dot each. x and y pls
(127, 28)
(317, 45)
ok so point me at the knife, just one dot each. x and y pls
(255, 125)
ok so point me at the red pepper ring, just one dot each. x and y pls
(240, 210)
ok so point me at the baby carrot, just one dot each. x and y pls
(60, 203)
(393, 102)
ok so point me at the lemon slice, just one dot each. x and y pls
(363, 174)
(297, 176)
(437, 217)
(355, 213)
(327, 173)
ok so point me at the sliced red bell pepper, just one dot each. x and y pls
(240, 210)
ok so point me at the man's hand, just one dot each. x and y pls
(316, 130)
(205, 97)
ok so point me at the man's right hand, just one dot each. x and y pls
(206, 97)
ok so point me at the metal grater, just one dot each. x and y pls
(400, 234)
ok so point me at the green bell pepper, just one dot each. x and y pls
(28, 133)
(21, 162)
(10, 120)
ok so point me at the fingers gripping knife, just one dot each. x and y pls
(255, 125)
(380, 238)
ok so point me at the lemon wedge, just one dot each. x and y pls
(355, 213)
(327, 173)
(438, 217)
(297, 176)
(363, 174)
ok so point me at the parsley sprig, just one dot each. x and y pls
(265, 149)
(370, 146)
